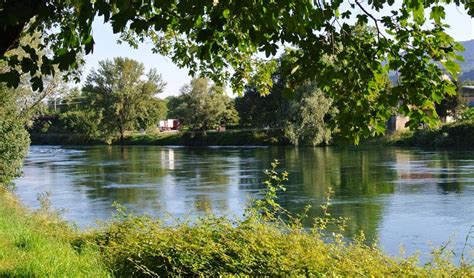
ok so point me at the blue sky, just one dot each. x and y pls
(106, 47)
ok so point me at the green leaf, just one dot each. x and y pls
(12, 78)
(437, 13)
(226, 13)
(37, 83)
(419, 15)
(27, 65)
(452, 67)
(362, 19)
(66, 60)
(199, 21)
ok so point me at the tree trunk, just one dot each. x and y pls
(122, 135)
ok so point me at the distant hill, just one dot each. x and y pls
(467, 66)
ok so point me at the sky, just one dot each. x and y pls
(106, 47)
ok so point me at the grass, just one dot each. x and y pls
(210, 138)
(38, 244)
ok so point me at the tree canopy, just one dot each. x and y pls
(14, 139)
(203, 106)
(122, 96)
(307, 120)
(219, 39)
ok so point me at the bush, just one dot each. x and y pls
(458, 134)
(261, 244)
(14, 140)
(467, 114)
(80, 122)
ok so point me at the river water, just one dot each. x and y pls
(397, 197)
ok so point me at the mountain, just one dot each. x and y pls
(467, 67)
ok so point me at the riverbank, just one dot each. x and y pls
(210, 138)
(454, 135)
(37, 244)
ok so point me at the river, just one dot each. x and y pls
(398, 197)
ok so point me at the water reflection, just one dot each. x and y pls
(396, 195)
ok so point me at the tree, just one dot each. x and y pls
(231, 116)
(303, 117)
(450, 106)
(14, 139)
(257, 110)
(17, 107)
(307, 123)
(122, 96)
(172, 104)
(219, 39)
(204, 106)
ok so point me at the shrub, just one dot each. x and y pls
(261, 244)
(467, 114)
(14, 140)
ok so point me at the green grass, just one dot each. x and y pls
(227, 138)
(39, 245)
(210, 138)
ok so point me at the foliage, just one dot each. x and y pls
(368, 98)
(219, 39)
(122, 97)
(149, 118)
(454, 135)
(14, 139)
(80, 122)
(231, 116)
(452, 105)
(72, 116)
(302, 116)
(17, 107)
(203, 106)
(71, 100)
(38, 244)
(195, 138)
(467, 114)
(307, 123)
(172, 104)
(257, 110)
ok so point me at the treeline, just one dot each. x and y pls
(120, 97)
(117, 97)
(297, 118)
